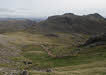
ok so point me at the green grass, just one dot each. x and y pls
(32, 47)
(90, 55)
(90, 61)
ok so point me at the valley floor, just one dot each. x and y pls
(30, 56)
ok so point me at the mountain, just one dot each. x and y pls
(55, 52)
(69, 22)
(6, 19)
(89, 24)
(20, 18)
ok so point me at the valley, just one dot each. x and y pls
(54, 46)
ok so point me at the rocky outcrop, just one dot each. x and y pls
(96, 40)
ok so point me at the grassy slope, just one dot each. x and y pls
(89, 61)
(86, 63)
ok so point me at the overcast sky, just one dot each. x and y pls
(42, 8)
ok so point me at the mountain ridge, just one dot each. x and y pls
(90, 24)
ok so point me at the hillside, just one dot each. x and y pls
(26, 48)
(60, 45)
(71, 23)
(89, 24)
(15, 25)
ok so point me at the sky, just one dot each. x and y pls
(45, 8)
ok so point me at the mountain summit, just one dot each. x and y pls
(69, 22)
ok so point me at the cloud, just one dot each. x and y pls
(41, 8)
(6, 10)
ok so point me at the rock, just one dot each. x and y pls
(97, 44)
(24, 72)
(27, 62)
(48, 70)
(96, 40)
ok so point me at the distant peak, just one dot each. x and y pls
(69, 14)
(96, 15)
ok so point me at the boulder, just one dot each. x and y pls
(24, 73)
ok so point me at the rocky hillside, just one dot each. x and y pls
(96, 40)
(92, 23)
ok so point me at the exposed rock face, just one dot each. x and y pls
(92, 23)
(96, 40)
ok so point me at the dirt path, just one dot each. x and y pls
(48, 51)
